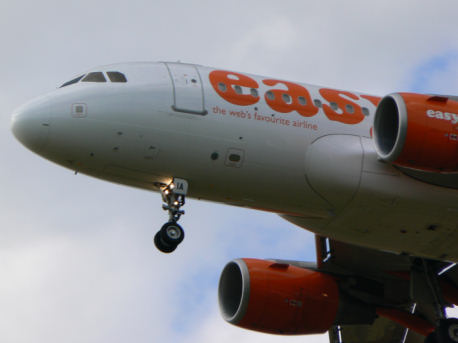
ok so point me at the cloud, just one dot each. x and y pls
(76, 253)
(438, 74)
(266, 38)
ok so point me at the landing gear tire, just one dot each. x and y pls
(447, 332)
(172, 233)
(163, 246)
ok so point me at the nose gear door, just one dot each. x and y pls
(188, 95)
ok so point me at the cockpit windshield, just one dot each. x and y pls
(75, 80)
(94, 77)
(98, 76)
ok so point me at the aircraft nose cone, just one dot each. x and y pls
(30, 125)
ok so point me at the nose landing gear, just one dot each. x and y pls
(171, 234)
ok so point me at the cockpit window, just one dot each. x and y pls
(98, 76)
(116, 76)
(75, 80)
(94, 77)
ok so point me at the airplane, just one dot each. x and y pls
(374, 178)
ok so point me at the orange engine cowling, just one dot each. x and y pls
(417, 131)
(277, 298)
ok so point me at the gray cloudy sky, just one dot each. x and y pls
(76, 259)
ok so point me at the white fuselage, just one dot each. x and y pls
(318, 170)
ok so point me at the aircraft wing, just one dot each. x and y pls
(375, 277)
(382, 331)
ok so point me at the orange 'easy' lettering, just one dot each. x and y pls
(229, 86)
(295, 98)
(351, 111)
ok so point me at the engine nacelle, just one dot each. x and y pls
(417, 131)
(277, 298)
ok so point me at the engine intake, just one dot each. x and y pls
(277, 298)
(417, 131)
(234, 291)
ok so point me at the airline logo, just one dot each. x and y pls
(286, 97)
(443, 115)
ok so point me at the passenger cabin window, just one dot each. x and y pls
(349, 108)
(302, 100)
(94, 77)
(222, 87)
(286, 98)
(116, 76)
(238, 89)
(75, 80)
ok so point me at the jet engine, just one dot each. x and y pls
(417, 131)
(277, 298)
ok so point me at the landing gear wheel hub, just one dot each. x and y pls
(172, 233)
(453, 332)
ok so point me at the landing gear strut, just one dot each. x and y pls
(171, 234)
(425, 285)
